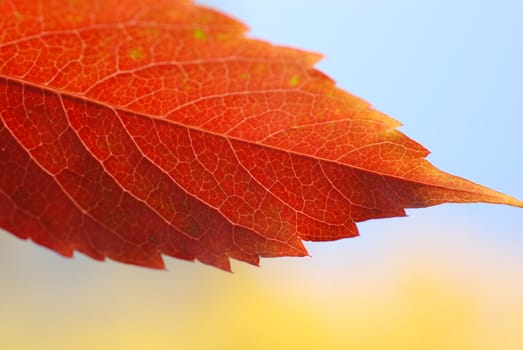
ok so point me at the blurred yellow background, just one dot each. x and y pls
(416, 283)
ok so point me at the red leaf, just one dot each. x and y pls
(131, 129)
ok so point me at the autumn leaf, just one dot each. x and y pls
(132, 129)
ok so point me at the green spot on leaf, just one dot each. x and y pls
(151, 31)
(244, 75)
(73, 18)
(18, 16)
(294, 80)
(136, 54)
(199, 34)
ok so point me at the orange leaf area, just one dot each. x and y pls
(132, 129)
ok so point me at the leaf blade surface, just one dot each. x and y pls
(132, 130)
